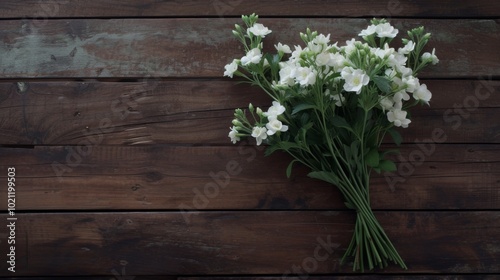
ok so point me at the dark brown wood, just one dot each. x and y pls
(150, 8)
(242, 242)
(118, 275)
(362, 277)
(200, 111)
(430, 176)
(134, 116)
(201, 47)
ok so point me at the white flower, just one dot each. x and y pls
(386, 103)
(323, 59)
(287, 72)
(422, 93)
(253, 56)
(274, 125)
(431, 57)
(368, 31)
(354, 79)
(405, 71)
(337, 61)
(296, 53)
(349, 46)
(259, 133)
(397, 61)
(283, 48)
(398, 118)
(321, 39)
(318, 44)
(275, 110)
(259, 29)
(338, 98)
(383, 53)
(385, 30)
(305, 76)
(411, 83)
(231, 68)
(410, 46)
(401, 95)
(233, 134)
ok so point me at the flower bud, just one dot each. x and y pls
(259, 111)
(303, 36)
(250, 107)
(238, 112)
(236, 122)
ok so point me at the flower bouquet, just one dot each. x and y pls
(332, 107)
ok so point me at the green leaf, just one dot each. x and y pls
(391, 151)
(288, 145)
(341, 123)
(324, 176)
(271, 149)
(349, 205)
(289, 168)
(395, 136)
(304, 119)
(382, 83)
(302, 107)
(387, 165)
(372, 159)
(372, 140)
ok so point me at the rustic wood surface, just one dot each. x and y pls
(115, 115)
(196, 111)
(179, 8)
(247, 242)
(452, 176)
(187, 47)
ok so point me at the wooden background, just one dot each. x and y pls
(115, 116)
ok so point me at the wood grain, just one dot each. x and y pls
(118, 275)
(196, 8)
(242, 242)
(430, 176)
(200, 111)
(362, 277)
(115, 115)
(200, 47)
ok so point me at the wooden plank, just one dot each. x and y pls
(308, 277)
(156, 243)
(200, 111)
(150, 8)
(201, 47)
(116, 274)
(362, 277)
(430, 176)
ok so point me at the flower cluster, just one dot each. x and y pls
(332, 107)
(267, 123)
(371, 68)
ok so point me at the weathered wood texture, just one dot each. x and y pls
(116, 274)
(309, 277)
(107, 48)
(430, 176)
(200, 111)
(149, 8)
(246, 242)
(361, 277)
(115, 115)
